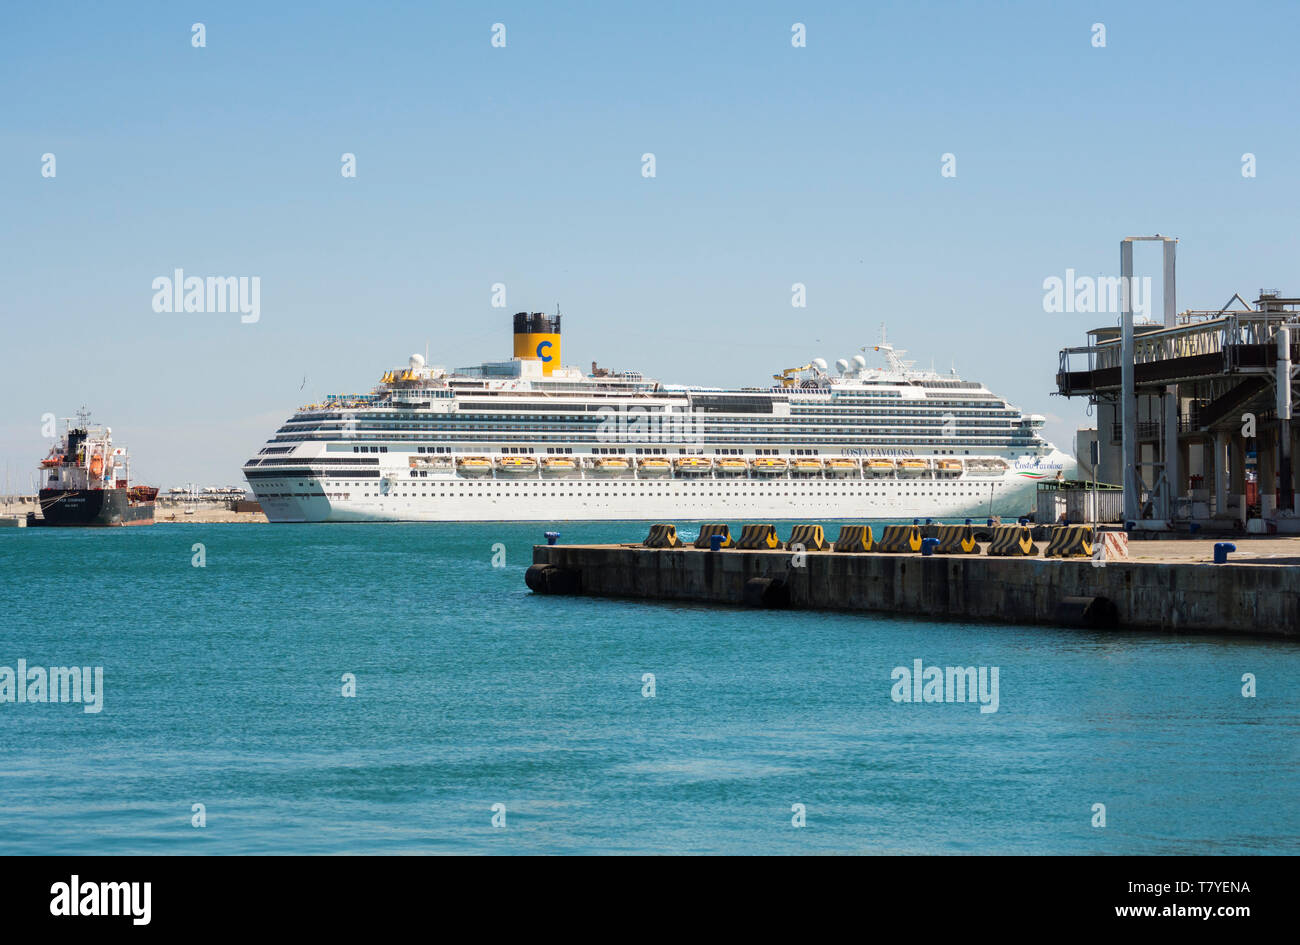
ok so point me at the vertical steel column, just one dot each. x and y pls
(1173, 468)
(1127, 394)
(1221, 472)
(1284, 488)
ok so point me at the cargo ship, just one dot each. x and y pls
(532, 440)
(86, 480)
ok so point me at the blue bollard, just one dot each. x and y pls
(715, 542)
(928, 545)
(928, 521)
(552, 537)
(1221, 549)
(967, 521)
(1194, 527)
(916, 521)
(1129, 526)
(990, 523)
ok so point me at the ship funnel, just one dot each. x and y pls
(537, 338)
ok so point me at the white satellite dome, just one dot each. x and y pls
(860, 361)
(819, 363)
(842, 366)
(417, 362)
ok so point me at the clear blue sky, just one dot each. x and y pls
(522, 165)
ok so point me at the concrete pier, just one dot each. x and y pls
(1167, 586)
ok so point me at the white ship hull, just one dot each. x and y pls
(456, 499)
(483, 444)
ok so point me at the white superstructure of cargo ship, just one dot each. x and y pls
(530, 440)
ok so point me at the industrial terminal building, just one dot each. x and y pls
(1207, 434)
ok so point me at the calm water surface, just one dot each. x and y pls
(223, 687)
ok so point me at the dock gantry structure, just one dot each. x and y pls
(1209, 412)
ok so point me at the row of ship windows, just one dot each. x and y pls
(961, 421)
(698, 488)
(596, 412)
(524, 495)
(860, 441)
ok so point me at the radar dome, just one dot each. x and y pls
(860, 361)
(417, 362)
(819, 363)
(842, 366)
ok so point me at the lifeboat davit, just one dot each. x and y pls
(986, 468)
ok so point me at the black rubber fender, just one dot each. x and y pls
(769, 593)
(550, 579)
(1095, 613)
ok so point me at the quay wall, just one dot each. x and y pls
(1180, 597)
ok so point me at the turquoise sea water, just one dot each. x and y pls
(222, 686)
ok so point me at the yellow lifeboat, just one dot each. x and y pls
(558, 465)
(913, 467)
(949, 467)
(693, 465)
(516, 465)
(474, 466)
(732, 467)
(97, 465)
(612, 466)
(654, 466)
(805, 467)
(879, 467)
(842, 466)
(770, 465)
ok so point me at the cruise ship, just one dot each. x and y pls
(529, 439)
